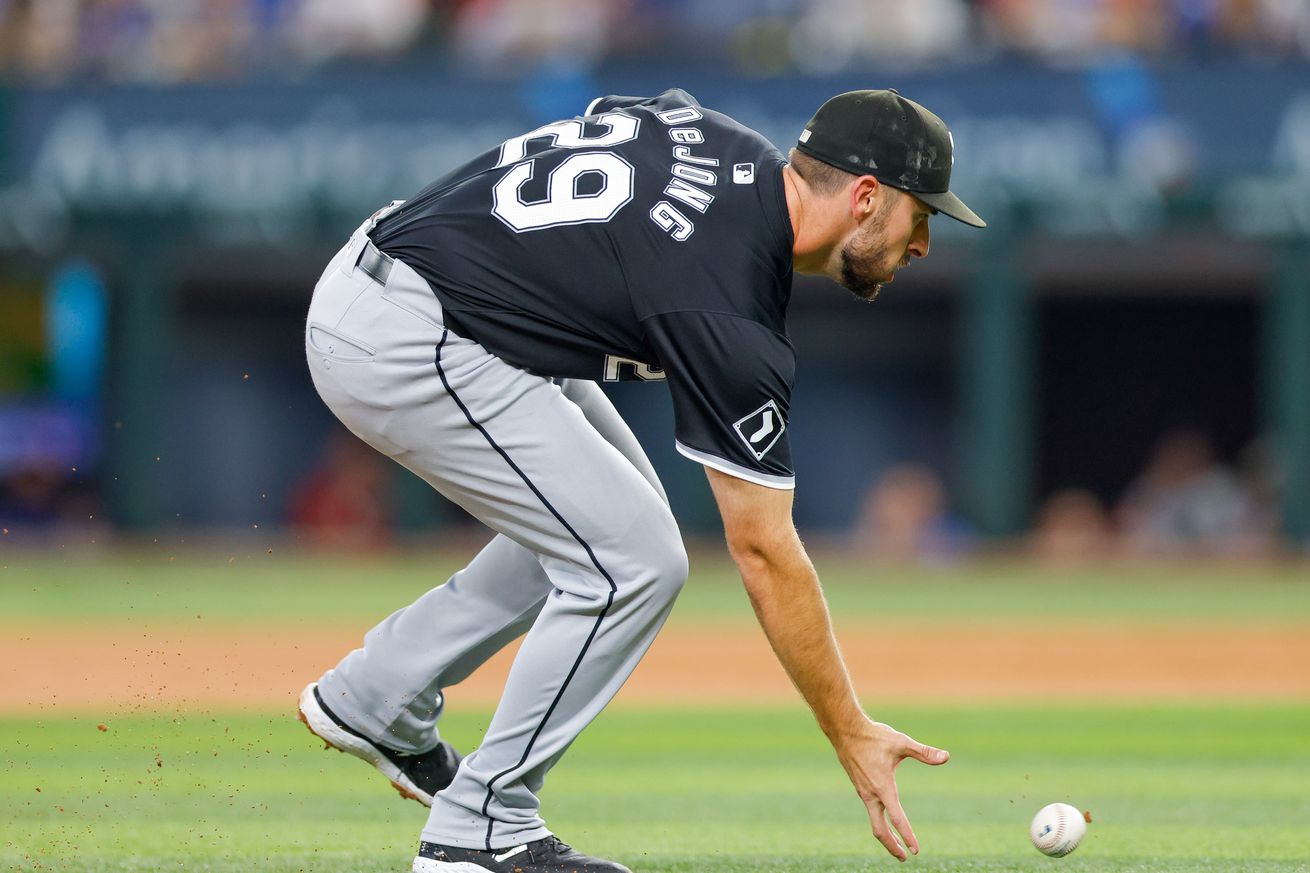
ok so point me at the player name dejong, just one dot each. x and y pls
(689, 171)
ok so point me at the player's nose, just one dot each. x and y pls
(920, 240)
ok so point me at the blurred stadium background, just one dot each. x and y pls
(1116, 372)
(1119, 366)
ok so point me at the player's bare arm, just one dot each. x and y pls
(785, 593)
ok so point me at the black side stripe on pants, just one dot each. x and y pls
(590, 554)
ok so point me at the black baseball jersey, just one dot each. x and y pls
(647, 239)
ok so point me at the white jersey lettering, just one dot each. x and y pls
(671, 221)
(681, 115)
(694, 197)
(695, 174)
(570, 134)
(682, 153)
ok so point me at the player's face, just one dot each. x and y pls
(895, 232)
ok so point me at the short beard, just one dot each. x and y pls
(869, 247)
(862, 287)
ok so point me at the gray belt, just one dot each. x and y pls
(375, 262)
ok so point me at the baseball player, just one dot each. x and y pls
(462, 333)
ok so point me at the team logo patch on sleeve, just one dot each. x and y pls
(761, 429)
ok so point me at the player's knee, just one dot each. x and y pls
(669, 567)
(650, 561)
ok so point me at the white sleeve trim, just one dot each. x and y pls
(782, 483)
(592, 105)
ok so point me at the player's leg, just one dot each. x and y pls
(391, 688)
(612, 551)
(513, 450)
(383, 700)
(602, 415)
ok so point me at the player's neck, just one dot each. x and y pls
(812, 237)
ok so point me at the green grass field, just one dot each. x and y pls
(1186, 789)
(1178, 788)
(252, 586)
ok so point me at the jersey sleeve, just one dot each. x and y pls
(730, 378)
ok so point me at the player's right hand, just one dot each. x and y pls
(871, 758)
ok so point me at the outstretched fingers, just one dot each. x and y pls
(883, 831)
(886, 816)
(895, 813)
(902, 826)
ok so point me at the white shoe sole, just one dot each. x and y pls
(321, 725)
(428, 865)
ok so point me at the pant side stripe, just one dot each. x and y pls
(590, 554)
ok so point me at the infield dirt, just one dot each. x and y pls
(166, 666)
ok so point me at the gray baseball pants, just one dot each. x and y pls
(587, 558)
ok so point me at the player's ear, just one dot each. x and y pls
(864, 197)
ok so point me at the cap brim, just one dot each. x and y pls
(948, 204)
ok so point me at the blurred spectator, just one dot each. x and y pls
(42, 497)
(904, 519)
(175, 40)
(1264, 474)
(1185, 503)
(39, 40)
(30, 495)
(324, 29)
(500, 36)
(343, 503)
(1074, 31)
(834, 34)
(1073, 528)
(47, 456)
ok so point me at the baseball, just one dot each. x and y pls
(1057, 829)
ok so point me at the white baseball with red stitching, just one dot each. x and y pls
(1057, 829)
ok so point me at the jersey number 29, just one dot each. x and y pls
(563, 204)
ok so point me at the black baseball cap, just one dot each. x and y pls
(895, 140)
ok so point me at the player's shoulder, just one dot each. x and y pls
(665, 101)
(677, 107)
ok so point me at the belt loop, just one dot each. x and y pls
(375, 263)
(367, 256)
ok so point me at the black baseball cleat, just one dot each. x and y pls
(417, 777)
(548, 855)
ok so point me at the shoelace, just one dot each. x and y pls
(552, 844)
